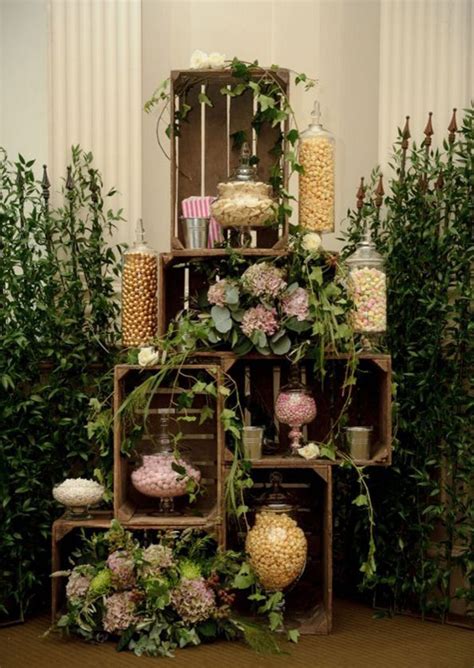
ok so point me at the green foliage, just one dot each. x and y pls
(180, 591)
(423, 503)
(57, 321)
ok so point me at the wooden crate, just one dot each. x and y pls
(203, 154)
(309, 602)
(181, 280)
(259, 379)
(204, 444)
(65, 537)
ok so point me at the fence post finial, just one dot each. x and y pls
(452, 127)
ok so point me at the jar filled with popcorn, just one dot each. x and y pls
(244, 202)
(317, 182)
(139, 285)
(368, 287)
(276, 545)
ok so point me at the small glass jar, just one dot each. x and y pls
(139, 286)
(368, 288)
(295, 406)
(276, 545)
(317, 182)
(164, 474)
(243, 202)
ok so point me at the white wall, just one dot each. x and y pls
(24, 78)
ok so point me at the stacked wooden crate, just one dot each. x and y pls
(202, 155)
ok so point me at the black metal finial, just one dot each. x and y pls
(452, 127)
(45, 185)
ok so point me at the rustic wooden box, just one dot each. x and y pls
(65, 538)
(259, 379)
(204, 153)
(204, 444)
(309, 602)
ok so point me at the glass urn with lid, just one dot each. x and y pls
(139, 286)
(295, 406)
(164, 474)
(276, 546)
(317, 181)
(244, 201)
(368, 288)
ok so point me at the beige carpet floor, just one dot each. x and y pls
(358, 641)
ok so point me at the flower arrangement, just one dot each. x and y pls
(175, 592)
(293, 305)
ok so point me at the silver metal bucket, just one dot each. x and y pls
(196, 232)
(359, 440)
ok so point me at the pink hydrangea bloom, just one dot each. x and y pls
(77, 585)
(259, 319)
(263, 280)
(123, 572)
(193, 600)
(157, 558)
(216, 293)
(296, 304)
(119, 612)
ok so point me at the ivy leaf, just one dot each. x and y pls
(292, 136)
(203, 99)
(244, 578)
(265, 102)
(361, 500)
(293, 635)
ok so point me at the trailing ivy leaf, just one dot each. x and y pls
(292, 136)
(203, 99)
(361, 500)
(293, 635)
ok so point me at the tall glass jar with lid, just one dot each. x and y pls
(368, 287)
(276, 545)
(317, 182)
(139, 286)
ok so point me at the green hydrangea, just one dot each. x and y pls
(101, 583)
(189, 570)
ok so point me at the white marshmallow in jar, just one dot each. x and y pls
(368, 288)
(139, 288)
(317, 181)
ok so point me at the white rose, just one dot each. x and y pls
(311, 242)
(310, 451)
(216, 60)
(148, 357)
(199, 60)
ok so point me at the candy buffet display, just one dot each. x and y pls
(316, 183)
(367, 282)
(295, 407)
(77, 495)
(243, 201)
(276, 546)
(139, 285)
(164, 474)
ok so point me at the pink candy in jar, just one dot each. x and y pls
(295, 406)
(156, 477)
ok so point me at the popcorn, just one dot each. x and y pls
(316, 184)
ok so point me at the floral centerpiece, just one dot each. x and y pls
(176, 591)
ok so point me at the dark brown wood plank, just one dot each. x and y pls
(215, 169)
(241, 114)
(189, 152)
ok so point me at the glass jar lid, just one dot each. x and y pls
(276, 500)
(365, 252)
(245, 171)
(140, 245)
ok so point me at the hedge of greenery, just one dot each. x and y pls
(57, 323)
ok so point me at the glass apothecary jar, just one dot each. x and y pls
(243, 201)
(295, 406)
(368, 288)
(164, 474)
(276, 546)
(139, 286)
(317, 182)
